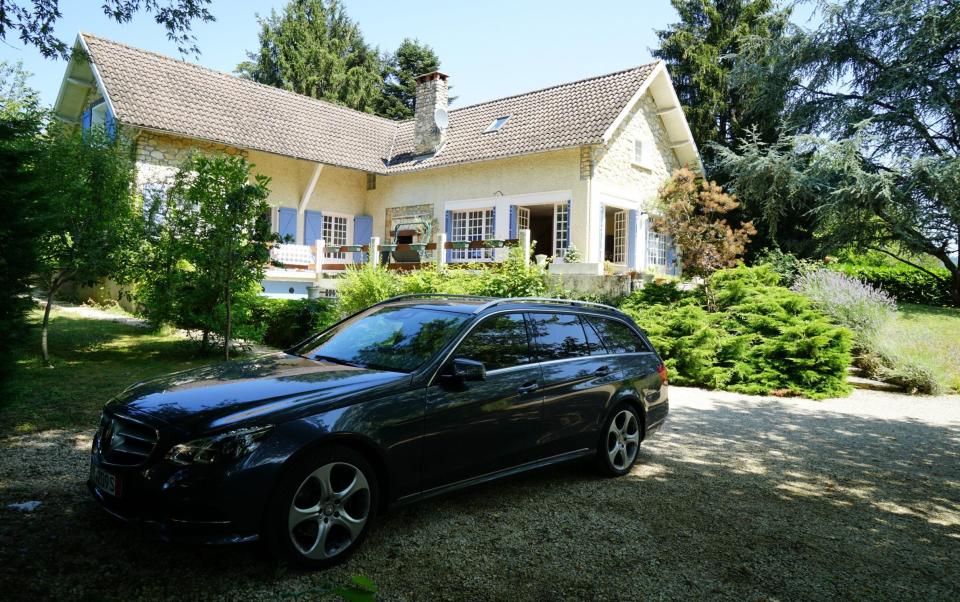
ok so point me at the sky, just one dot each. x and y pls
(489, 49)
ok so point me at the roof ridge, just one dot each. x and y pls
(334, 105)
(560, 85)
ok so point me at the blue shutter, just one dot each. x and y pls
(633, 228)
(362, 232)
(87, 119)
(671, 257)
(448, 230)
(603, 232)
(287, 224)
(110, 124)
(513, 222)
(312, 227)
(569, 223)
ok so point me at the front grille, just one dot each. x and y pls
(125, 441)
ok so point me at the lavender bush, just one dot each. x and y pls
(849, 301)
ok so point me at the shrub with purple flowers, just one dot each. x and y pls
(849, 301)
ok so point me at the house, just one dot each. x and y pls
(576, 163)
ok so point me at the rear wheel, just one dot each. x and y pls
(322, 508)
(620, 444)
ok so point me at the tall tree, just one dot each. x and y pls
(90, 217)
(701, 50)
(313, 48)
(21, 121)
(874, 104)
(35, 21)
(399, 70)
(216, 214)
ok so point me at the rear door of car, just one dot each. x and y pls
(635, 358)
(478, 427)
(579, 380)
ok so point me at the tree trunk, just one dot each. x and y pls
(46, 322)
(204, 341)
(955, 287)
(226, 339)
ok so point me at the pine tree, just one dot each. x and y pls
(399, 70)
(313, 48)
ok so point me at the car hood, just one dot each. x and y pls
(217, 396)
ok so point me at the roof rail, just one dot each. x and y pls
(430, 296)
(573, 302)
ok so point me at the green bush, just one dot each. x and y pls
(906, 284)
(365, 285)
(787, 265)
(745, 333)
(653, 293)
(283, 322)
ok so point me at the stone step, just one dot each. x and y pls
(860, 382)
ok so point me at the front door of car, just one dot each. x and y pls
(579, 380)
(474, 427)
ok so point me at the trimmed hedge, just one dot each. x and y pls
(906, 284)
(284, 322)
(744, 333)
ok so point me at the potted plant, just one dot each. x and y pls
(494, 243)
(460, 244)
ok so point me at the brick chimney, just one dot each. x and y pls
(430, 113)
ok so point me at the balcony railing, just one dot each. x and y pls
(313, 258)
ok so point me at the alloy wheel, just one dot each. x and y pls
(623, 440)
(329, 510)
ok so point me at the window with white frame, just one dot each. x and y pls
(639, 154)
(620, 237)
(657, 248)
(561, 228)
(473, 224)
(523, 219)
(335, 234)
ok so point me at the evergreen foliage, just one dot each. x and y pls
(398, 72)
(743, 332)
(312, 47)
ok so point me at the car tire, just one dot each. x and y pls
(322, 508)
(619, 441)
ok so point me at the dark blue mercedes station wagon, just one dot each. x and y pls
(412, 397)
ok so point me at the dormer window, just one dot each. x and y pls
(497, 124)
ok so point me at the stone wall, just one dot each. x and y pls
(617, 173)
(159, 156)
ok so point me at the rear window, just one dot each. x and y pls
(558, 336)
(618, 337)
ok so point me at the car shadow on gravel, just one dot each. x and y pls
(746, 499)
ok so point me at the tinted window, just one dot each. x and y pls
(388, 338)
(558, 336)
(618, 337)
(594, 344)
(499, 342)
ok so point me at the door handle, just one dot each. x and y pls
(527, 388)
(603, 370)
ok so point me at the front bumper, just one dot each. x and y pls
(205, 505)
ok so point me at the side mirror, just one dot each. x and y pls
(464, 369)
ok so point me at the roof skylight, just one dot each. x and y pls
(497, 124)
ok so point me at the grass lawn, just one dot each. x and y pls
(93, 360)
(932, 335)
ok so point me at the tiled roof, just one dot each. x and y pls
(562, 116)
(153, 91)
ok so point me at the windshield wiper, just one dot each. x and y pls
(336, 360)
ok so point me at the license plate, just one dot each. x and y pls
(104, 481)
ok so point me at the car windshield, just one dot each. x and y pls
(394, 338)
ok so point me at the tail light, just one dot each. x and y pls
(662, 371)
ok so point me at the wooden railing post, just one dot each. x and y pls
(441, 258)
(525, 245)
(374, 255)
(318, 257)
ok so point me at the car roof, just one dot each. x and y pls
(477, 304)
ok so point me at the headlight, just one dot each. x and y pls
(225, 446)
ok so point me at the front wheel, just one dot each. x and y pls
(620, 444)
(322, 508)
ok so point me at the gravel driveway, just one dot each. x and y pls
(738, 498)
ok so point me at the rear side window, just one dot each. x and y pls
(618, 337)
(558, 336)
(498, 341)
